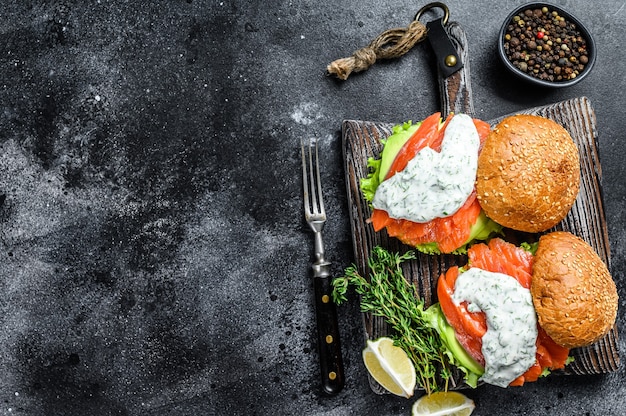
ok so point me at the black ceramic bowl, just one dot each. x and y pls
(543, 77)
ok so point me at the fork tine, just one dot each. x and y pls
(318, 182)
(305, 182)
(313, 200)
(312, 177)
(311, 180)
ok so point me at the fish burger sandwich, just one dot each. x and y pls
(518, 314)
(422, 187)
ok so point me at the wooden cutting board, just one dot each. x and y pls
(362, 139)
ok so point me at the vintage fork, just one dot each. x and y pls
(329, 347)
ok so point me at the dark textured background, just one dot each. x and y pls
(154, 260)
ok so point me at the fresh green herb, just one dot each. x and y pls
(388, 294)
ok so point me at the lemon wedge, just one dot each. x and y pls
(390, 366)
(448, 403)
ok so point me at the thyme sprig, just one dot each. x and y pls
(389, 295)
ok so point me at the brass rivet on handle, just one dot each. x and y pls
(332, 375)
(325, 299)
(329, 339)
(450, 60)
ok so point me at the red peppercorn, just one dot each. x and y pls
(540, 35)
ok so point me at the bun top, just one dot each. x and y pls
(528, 173)
(573, 292)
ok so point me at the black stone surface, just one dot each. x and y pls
(154, 258)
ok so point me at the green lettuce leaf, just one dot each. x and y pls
(368, 185)
(530, 247)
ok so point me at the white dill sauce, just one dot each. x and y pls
(509, 344)
(434, 184)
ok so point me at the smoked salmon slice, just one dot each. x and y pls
(450, 232)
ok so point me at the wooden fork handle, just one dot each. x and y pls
(329, 347)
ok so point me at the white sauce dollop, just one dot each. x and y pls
(509, 344)
(434, 184)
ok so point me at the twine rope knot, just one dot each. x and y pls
(390, 44)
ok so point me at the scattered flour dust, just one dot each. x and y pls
(306, 113)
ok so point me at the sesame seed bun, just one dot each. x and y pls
(573, 292)
(528, 173)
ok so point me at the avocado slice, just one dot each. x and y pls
(401, 134)
(472, 369)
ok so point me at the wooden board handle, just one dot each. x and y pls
(455, 90)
